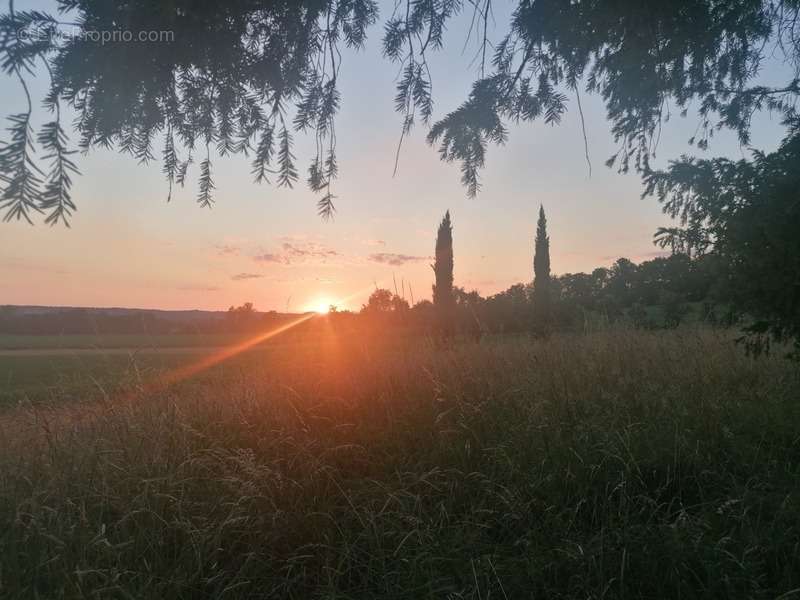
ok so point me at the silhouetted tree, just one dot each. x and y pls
(751, 214)
(423, 317)
(379, 301)
(542, 299)
(510, 310)
(242, 317)
(443, 298)
(620, 288)
(469, 313)
(384, 301)
(671, 283)
(399, 304)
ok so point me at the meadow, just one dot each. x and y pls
(46, 368)
(618, 464)
(111, 341)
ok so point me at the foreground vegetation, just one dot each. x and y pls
(619, 464)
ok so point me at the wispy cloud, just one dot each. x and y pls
(299, 252)
(395, 260)
(375, 242)
(227, 250)
(270, 257)
(246, 276)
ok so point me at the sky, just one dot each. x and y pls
(128, 247)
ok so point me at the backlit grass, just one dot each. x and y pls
(621, 464)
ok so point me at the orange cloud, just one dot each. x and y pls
(299, 252)
(395, 260)
(246, 276)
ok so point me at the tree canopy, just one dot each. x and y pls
(243, 76)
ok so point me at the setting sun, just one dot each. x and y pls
(320, 305)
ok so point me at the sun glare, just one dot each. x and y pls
(320, 305)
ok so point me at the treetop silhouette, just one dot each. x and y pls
(541, 269)
(443, 297)
(242, 76)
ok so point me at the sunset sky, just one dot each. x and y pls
(129, 247)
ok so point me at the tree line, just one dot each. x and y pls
(663, 292)
(658, 293)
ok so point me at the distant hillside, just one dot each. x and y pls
(172, 315)
(48, 320)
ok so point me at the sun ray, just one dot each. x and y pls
(207, 362)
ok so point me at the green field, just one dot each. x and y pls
(57, 367)
(57, 377)
(621, 464)
(127, 341)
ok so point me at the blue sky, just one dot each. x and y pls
(128, 247)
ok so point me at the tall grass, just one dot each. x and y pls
(621, 464)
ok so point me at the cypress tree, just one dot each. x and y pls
(443, 299)
(541, 270)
